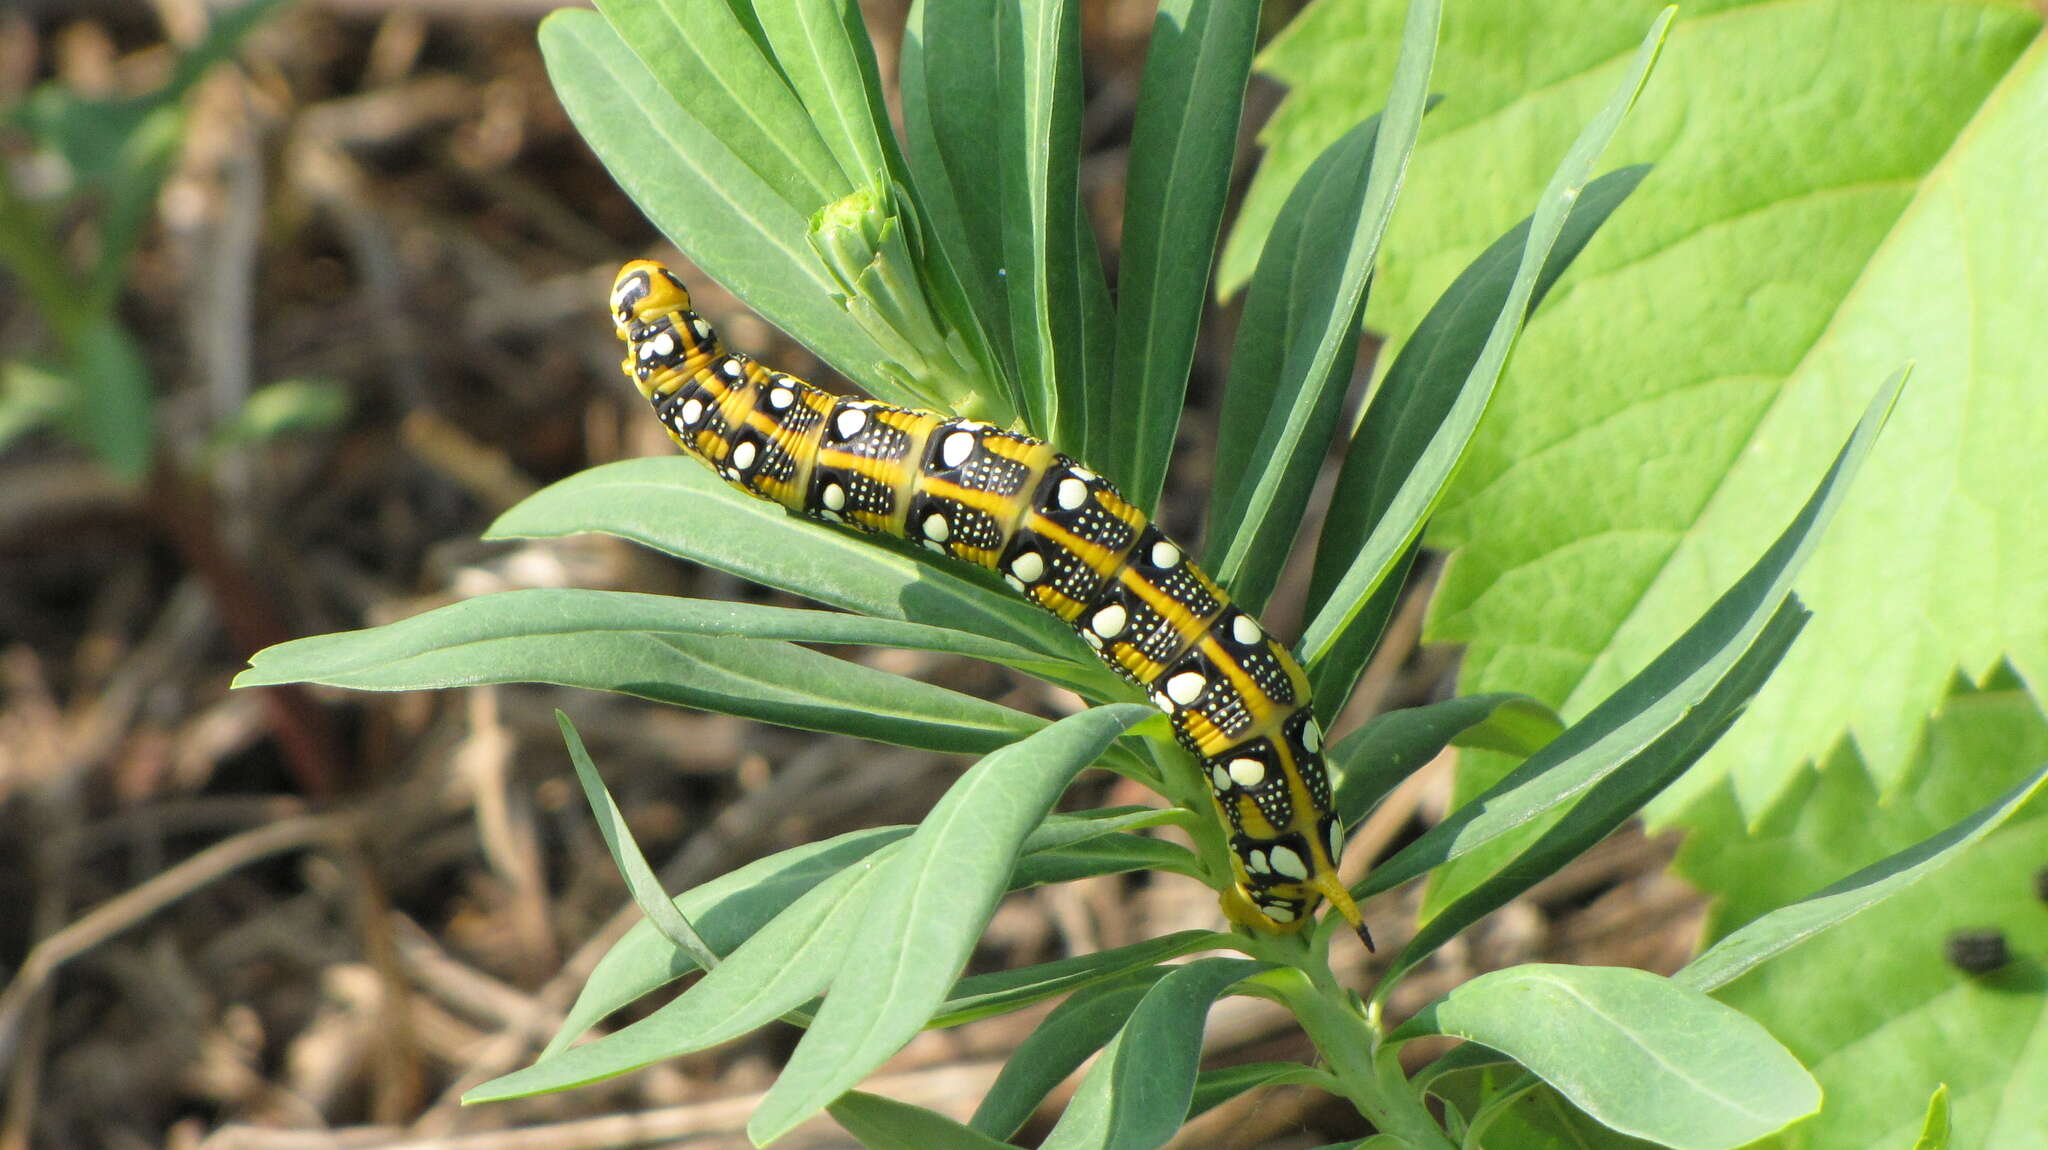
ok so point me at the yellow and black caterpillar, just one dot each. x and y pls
(1059, 534)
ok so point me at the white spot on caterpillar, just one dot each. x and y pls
(936, 528)
(835, 497)
(1072, 493)
(957, 448)
(1288, 863)
(647, 350)
(700, 329)
(730, 367)
(935, 547)
(1160, 701)
(1109, 623)
(1248, 772)
(850, 422)
(1336, 842)
(1186, 687)
(664, 344)
(1084, 475)
(1165, 554)
(1220, 777)
(780, 398)
(1255, 862)
(743, 456)
(1030, 566)
(693, 410)
(1312, 736)
(1015, 583)
(1245, 629)
(1092, 639)
(1279, 914)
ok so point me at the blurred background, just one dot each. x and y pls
(293, 303)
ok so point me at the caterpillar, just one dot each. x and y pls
(1059, 534)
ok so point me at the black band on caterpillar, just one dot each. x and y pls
(1059, 534)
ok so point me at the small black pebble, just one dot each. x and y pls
(1976, 951)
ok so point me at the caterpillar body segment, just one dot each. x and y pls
(1059, 534)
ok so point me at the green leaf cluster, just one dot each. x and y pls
(102, 161)
(955, 268)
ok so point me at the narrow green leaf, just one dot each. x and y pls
(1215, 1087)
(999, 992)
(783, 965)
(1044, 264)
(949, 101)
(823, 50)
(702, 195)
(1189, 104)
(567, 614)
(706, 61)
(774, 682)
(1251, 534)
(30, 396)
(1604, 806)
(1421, 488)
(939, 890)
(1110, 854)
(1136, 1095)
(1418, 426)
(1936, 1128)
(886, 1124)
(732, 908)
(677, 505)
(645, 888)
(1641, 1053)
(116, 419)
(727, 911)
(1787, 927)
(1057, 1047)
(1374, 759)
(1660, 695)
(1291, 294)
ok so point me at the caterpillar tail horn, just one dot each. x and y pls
(1332, 889)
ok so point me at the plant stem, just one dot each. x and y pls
(1367, 1073)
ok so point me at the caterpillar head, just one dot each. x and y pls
(651, 311)
(643, 293)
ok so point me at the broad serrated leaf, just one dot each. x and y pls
(1880, 1041)
(1650, 706)
(1795, 238)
